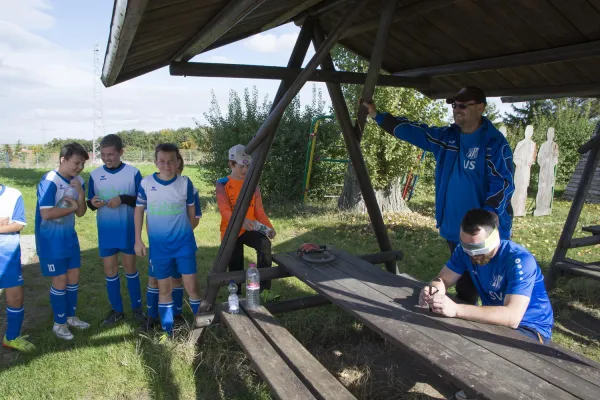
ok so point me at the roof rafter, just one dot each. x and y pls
(291, 13)
(226, 19)
(557, 54)
(533, 92)
(215, 70)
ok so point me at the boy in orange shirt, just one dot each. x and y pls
(228, 189)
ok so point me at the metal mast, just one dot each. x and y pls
(98, 131)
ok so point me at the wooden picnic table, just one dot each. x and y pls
(489, 362)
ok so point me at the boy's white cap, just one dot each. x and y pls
(237, 154)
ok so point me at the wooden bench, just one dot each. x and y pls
(289, 370)
(489, 362)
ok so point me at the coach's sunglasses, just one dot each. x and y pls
(462, 106)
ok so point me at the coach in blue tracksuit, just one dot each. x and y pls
(474, 167)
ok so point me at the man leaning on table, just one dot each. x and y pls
(506, 276)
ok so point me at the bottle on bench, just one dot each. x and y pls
(252, 287)
(233, 300)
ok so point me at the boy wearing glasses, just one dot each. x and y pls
(474, 167)
(506, 276)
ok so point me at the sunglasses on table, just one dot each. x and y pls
(462, 106)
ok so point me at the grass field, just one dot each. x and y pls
(118, 363)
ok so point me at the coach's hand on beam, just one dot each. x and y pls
(372, 109)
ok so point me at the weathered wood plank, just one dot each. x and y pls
(270, 366)
(509, 348)
(417, 334)
(312, 373)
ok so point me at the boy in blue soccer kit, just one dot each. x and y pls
(506, 276)
(152, 289)
(12, 221)
(112, 193)
(56, 240)
(168, 200)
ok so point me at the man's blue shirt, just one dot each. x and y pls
(513, 270)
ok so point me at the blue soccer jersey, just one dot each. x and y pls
(115, 225)
(11, 207)
(169, 228)
(513, 270)
(55, 239)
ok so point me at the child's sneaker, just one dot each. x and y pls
(62, 331)
(139, 316)
(19, 343)
(77, 323)
(163, 338)
(112, 318)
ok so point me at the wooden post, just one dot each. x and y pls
(321, 52)
(251, 180)
(593, 146)
(374, 65)
(342, 115)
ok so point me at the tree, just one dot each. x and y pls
(523, 115)
(282, 176)
(8, 153)
(387, 158)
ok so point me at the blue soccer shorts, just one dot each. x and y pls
(112, 251)
(11, 275)
(162, 268)
(59, 266)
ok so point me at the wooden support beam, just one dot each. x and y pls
(312, 65)
(558, 54)
(223, 278)
(582, 242)
(383, 257)
(252, 178)
(402, 13)
(519, 99)
(576, 206)
(297, 304)
(353, 146)
(214, 70)
(575, 90)
(374, 66)
(289, 14)
(226, 19)
(126, 18)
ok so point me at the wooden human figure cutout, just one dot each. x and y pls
(547, 159)
(523, 157)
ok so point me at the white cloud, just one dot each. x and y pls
(29, 14)
(271, 43)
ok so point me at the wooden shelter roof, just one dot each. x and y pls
(517, 49)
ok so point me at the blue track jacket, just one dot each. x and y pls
(443, 143)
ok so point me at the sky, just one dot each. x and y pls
(47, 75)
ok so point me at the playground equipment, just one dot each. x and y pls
(410, 180)
(310, 155)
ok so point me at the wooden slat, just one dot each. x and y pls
(270, 366)
(578, 270)
(312, 373)
(501, 342)
(594, 229)
(470, 365)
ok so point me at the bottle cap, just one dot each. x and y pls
(231, 281)
(252, 265)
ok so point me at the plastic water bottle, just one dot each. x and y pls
(262, 228)
(252, 287)
(233, 300)
(63, 203)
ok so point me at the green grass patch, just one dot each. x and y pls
(119, 363)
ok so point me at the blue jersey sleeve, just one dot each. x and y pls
(91, 191)
(457, 262)
(499, 175)
(141, 200)
(47, 194)
(197, 208)
(421, 135)
(137, 179)
(18, 214)
(521, 274)
(190, 193)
